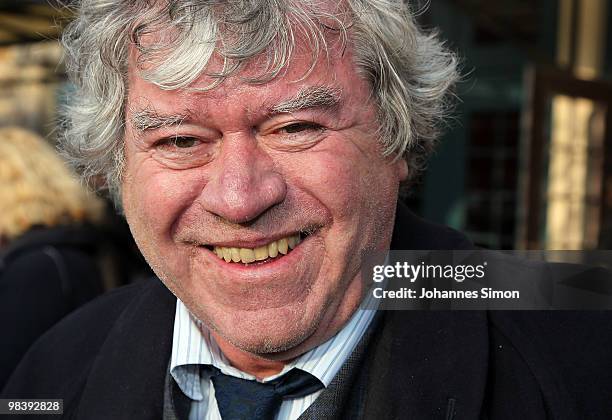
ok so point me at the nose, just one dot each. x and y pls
(244, 183)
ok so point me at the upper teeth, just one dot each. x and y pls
(248, 255)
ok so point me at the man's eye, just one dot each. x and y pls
(183, 142)
(299, 127)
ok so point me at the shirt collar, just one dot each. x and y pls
(193, 345)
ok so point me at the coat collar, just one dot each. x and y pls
(412, 232)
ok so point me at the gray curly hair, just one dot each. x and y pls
(411, 72)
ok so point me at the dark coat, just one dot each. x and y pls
(110, 359)
(45, 274)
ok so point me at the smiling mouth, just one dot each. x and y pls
(261, 254)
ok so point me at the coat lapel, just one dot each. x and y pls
(428, 364)
(127, 377)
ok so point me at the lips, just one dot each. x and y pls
(272, 250)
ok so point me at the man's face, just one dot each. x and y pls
(238, 172)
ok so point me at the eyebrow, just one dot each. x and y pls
(325, 97)
(148, 119)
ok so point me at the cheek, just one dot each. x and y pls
(155, 197)
(327, 178)
(360, 190)
(343, 182)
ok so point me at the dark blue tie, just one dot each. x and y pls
(242, 399)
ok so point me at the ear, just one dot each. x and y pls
(402, 169)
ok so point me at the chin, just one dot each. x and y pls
(267, 331)
(269, 345)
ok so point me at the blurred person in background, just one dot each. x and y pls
(48, 243)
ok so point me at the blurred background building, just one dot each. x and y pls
(31, 75)
(527, 161)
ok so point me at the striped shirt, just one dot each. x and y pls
(193, 345)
